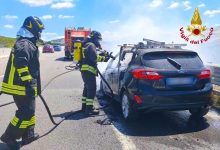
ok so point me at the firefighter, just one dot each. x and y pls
(88, 68)
(22, 81)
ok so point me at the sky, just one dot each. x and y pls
(119, 21)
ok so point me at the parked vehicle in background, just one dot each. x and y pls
(72, 35)
(57, 47)
(48, 48)
(157, 77)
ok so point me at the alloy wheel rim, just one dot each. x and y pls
(125, 106)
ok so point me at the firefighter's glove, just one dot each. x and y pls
(106, 58)
(102, 53)
(30, 88)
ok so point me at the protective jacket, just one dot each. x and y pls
(22, 75)
(90, 58)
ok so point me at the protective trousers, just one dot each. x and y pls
(89, 90)
(24, 120)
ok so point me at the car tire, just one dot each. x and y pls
(128, 112)
(199, 112)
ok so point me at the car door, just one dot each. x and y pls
(112, 71)
(119, 71)
(108, 75)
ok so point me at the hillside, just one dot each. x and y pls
(58, 41)
(6, 41)
(9, 42)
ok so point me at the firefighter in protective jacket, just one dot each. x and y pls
(22, 81)
(88, 68)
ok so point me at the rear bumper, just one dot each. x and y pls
(175, 101)
(173, 106)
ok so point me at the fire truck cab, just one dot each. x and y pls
(72, 35)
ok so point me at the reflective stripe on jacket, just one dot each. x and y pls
(89, 68)
(90, 58)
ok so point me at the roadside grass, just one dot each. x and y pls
(216, 87)
(216, 100)
(7, 41)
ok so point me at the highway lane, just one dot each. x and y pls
(165, 130)
(169, 130)
(3, 62)
(62, 95)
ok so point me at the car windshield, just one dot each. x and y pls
(172, 60)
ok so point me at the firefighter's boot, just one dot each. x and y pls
(11, 143)
(29, 136)
(10, 136)
(90, 110)
(83, 109)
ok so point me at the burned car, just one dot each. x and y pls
(157, 77)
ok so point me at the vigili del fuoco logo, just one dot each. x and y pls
(196, 32)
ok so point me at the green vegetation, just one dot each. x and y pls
(40, 43)
(216, 99)
(7, 41)
(53, 43)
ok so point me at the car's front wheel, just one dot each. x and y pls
(127, 111)
(199, 112)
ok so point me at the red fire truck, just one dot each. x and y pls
(71, 35)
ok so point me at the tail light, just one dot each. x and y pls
(146, 74)
(206, 73)
(137, 99)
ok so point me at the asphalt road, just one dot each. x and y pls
(165, 130)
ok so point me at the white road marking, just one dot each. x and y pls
(126, 142)
(213, 115)
(5, 56)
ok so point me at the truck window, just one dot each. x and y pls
(78, 38)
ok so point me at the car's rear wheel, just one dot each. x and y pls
(128, 112)
(199, 112)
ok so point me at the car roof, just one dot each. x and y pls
(150, 50)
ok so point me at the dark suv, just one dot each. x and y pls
(155, 79)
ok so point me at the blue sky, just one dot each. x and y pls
(118, 20)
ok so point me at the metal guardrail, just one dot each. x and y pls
(215, 69)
